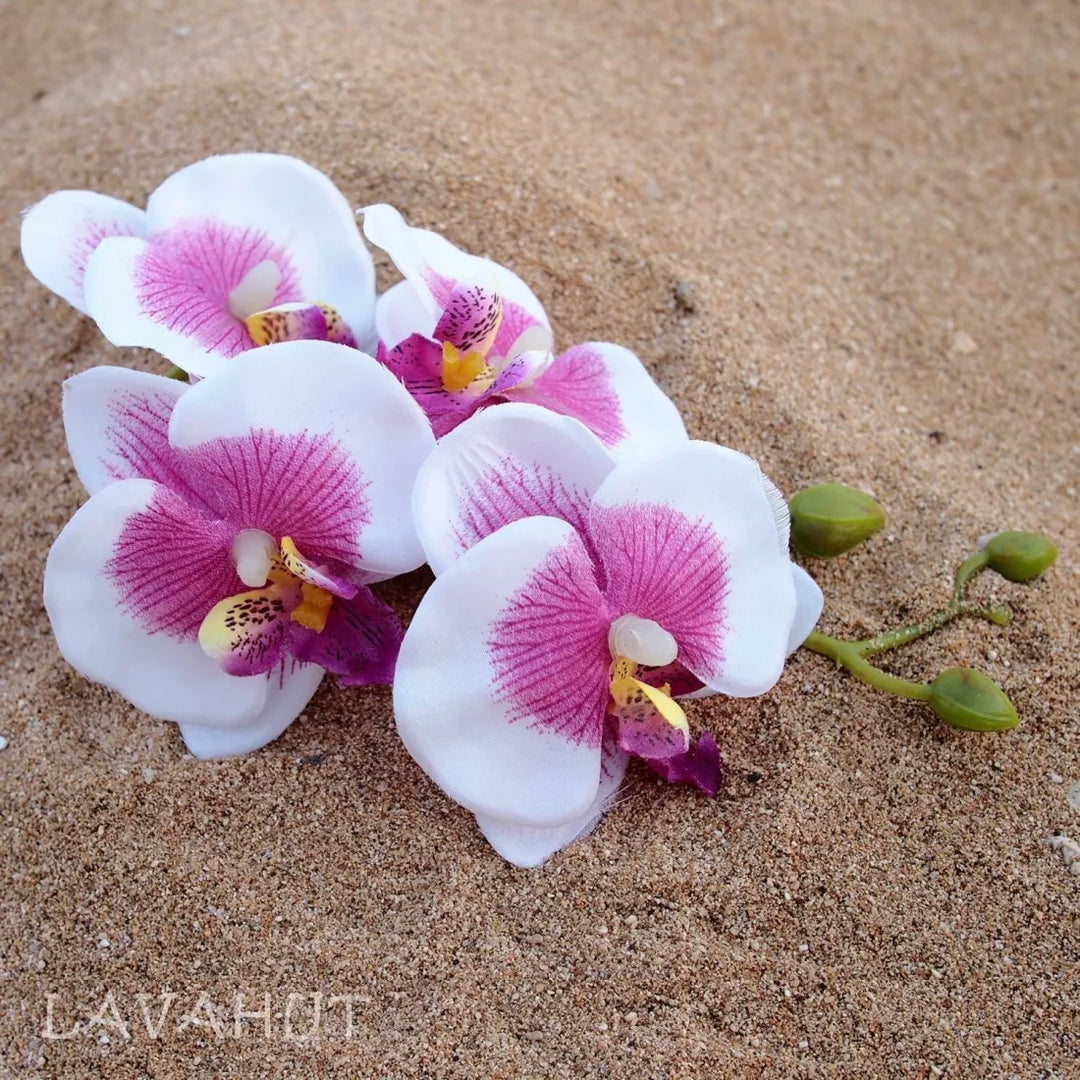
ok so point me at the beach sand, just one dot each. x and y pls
(843, 235)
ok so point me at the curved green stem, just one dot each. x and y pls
(848, 656)
(903, 634)
(966, 571)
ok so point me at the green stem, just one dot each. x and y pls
(903, 634)
(848, 656)
(966, 571)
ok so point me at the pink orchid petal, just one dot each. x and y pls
(507, 721)
(661, 564)
(165, 673)
(608, 389)
(555, 680)
(303, 486)
(171, 565)
(506, 463)
(311, 440)
(359, 643)
(577, 384)
(60, 233)
(516, 320)
(690, 540)
(117, 426)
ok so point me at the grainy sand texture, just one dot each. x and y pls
(844, 236)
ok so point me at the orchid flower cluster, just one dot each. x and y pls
(593, 566)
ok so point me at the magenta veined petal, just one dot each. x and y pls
(171, 565)
(662, 565)
(62, 231)
(577, 384)
(117, 425)
(483, 729)
(549, 648)
(186, 274)
(503, 464)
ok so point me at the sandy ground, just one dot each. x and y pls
(873, 209)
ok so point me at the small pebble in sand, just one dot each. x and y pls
(686, 296)
(1055, 778)
(1074, 795)
(964, 344)
(3, 743)
(1070, 851)
(148, 775)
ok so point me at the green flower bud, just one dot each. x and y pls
(1020, 556)
(829, 519)
(967, 699)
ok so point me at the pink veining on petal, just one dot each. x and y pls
(515, 321)
(549, 648)
(137, 435)
(510, 490)
(662, 565)
(87, 242)
(441, 288)
(300, 485)
(171, 565)
(577, 384)
(186, 273)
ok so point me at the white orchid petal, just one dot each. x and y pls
(112, 285)
(60, 233)
(607, 388)
(707, 563)
(399, 312)
(430, 262)
(506, 462)
(165, 677)
(286, 696)
(508, 728)
(185, 290)
(809, 603)
(117, 426)
(296, 207)
(341, 398)
(527, 846)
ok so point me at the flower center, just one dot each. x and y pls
(241, 631)
(256, 290)
(650, 723)
(464, 371)
(642, 640)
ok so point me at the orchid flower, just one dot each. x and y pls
(464, 333)
(575, 599)
(231, 252)
(222, 562)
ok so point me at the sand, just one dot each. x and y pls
(843, 235)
